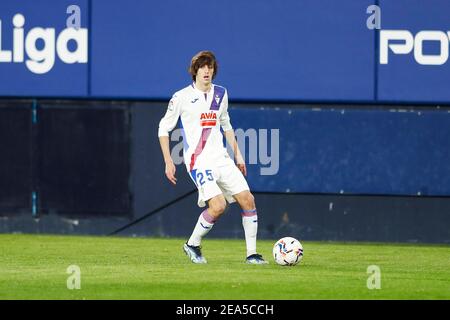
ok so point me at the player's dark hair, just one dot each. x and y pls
(202, 59)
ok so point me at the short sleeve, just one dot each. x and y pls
(224, 116)
(170, 119)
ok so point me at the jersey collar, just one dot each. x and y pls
(201, 92)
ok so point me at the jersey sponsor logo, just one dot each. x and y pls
(208, 115)
(208, 119)
(195, 100)
(404, 42)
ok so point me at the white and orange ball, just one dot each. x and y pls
(288, 251)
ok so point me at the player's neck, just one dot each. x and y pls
(203, 87)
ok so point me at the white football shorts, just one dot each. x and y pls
(225, 179)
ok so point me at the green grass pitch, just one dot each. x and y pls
(34, 267)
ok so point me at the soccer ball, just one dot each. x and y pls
(287, 251)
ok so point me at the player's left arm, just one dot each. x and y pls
(228, 132)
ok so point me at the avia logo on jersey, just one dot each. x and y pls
(41, 59)
(208, 119)
(408, 43)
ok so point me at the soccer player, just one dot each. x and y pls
(203, 108)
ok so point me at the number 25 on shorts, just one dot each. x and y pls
(201, 177)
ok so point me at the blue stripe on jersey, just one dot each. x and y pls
(219, 93)
(194, 175)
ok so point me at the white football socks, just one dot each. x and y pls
(250, 224)
(204, 225)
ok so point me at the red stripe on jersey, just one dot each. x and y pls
(200, 145)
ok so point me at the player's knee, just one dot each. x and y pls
(249, 202)
(220, 207)
(217, 207)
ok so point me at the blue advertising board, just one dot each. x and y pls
(414, 41)
(349, 151)
(295, 50)
(39, 55)
(289, 50)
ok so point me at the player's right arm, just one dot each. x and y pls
(167, 123)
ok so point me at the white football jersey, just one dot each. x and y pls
(202, 114)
